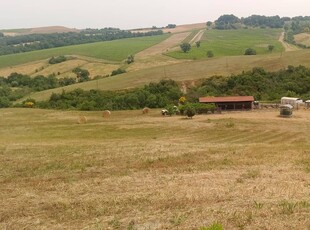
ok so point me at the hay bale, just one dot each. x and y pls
(106, 114)
(82, 120)
(146, 110)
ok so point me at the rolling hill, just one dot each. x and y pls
(158, 57)
(38, 30)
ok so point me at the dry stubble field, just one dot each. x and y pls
(244, 170)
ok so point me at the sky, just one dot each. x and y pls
(130, 14)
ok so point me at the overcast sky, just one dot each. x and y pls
(127, 14)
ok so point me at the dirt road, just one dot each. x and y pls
(288, 47)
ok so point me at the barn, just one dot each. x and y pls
(230, 103)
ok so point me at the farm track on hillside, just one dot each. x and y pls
(288, 47)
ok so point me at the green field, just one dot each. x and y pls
(111, 50)
(244, 170)
(233, 42)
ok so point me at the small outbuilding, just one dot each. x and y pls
(286, 110)
(230, 103)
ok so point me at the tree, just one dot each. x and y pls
(210, 53)
(198, 44)
(171, 26)
(209, 23)
(250, 51)
(81, 74)
(270, 48)
(130, 59)
(186, 47)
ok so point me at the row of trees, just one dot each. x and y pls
(154, 95)
(296, 26)
(263, 85)
(230, 21)
(25, 43)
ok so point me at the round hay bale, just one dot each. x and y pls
(82, 120)
(145, 110)
(106, 114)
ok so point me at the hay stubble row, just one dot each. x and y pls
(153, 172)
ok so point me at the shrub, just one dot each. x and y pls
(118, 71)
(250, 51)
(56, 60)
(210, 53)
(185, 47)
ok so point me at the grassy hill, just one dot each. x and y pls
(38, 30)
(111, 50)
(243, 170)
(189, 71)
(228, 47)
(233, 42)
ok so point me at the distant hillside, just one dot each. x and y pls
(38, 30)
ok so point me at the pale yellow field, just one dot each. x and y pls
(244, 170)
(303, 38)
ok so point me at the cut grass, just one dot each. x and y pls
(116, 50)
(135, 171)
(233, 42)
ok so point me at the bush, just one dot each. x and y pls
(250, 51)
(198, 107)
(185, 47)
(56, 60)
(210, 53)
(118, 71)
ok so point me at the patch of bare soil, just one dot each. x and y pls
(288, 47)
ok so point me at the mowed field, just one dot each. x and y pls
(243, 170)
(303, 38)
(233, 42)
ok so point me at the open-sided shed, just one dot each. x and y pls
(230, 103)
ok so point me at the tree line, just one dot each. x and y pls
(230, 21)
(31, 42)
(263, 85)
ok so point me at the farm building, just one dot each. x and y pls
(291, 101)
(230, 103)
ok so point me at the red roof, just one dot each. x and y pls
(226, 99)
